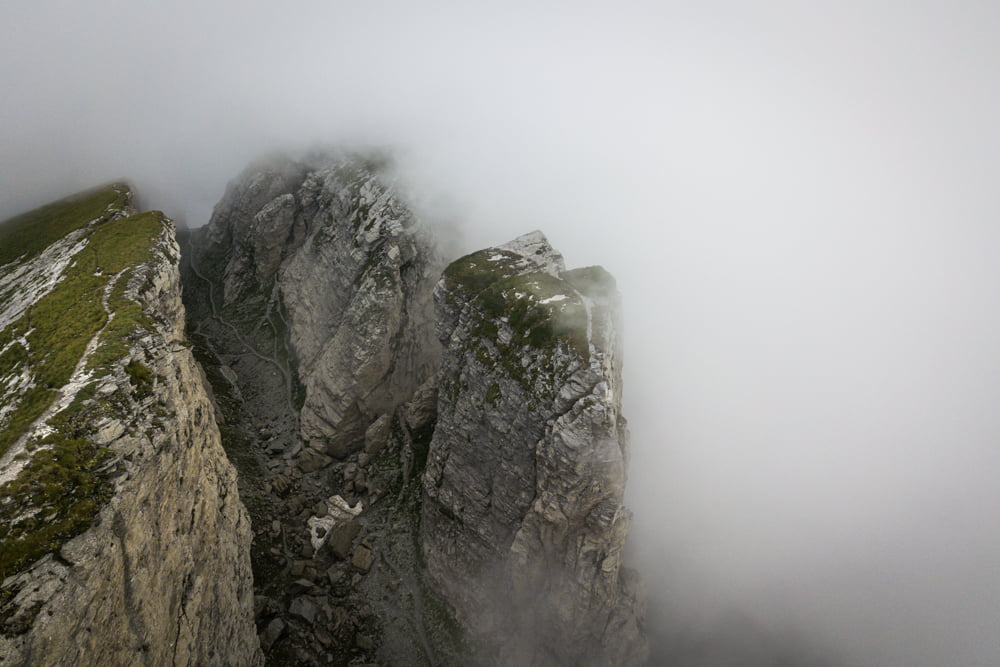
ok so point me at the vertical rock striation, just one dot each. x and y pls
(331, 244)
(523, 525)
(518, 441)
(163, 574)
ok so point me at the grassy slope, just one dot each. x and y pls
(60, 482)
(30, 233)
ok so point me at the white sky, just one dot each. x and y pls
(799, 200)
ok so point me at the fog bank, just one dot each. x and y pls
(799, 204)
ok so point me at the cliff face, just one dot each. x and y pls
(523, 524)
(487, 401)
(124, 539)
(310, 305)
(332, 248)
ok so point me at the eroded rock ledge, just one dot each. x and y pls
(163, 574)
(523, 524)
(475, 416)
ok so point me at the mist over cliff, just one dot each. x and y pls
(798, 204)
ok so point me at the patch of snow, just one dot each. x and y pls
(554, 298)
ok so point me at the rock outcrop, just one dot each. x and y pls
(476, 417)
(144, 539)
(523, 525)
(331, 246)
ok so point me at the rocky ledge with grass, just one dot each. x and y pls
(523, 525)
(122, 536)
(415, 447)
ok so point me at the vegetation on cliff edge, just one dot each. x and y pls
(67, 479)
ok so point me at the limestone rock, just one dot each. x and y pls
(363, 558)
(163, 575)
(338, 521)
(272, 633)
(304, 608)
(331, 243)
(523, 523)
(342, 538)
(421, 411)
(377, 436)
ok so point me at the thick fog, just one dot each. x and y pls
(799, 200)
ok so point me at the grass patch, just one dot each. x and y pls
(28, 234)
(63, 321)
(474, 273)
(60, 487)
(68, 478)
(542, 310)
(129, 318)
(127, 242)
(141, 377)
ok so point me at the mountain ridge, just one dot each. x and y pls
(284, 443)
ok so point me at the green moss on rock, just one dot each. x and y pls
(593, 282)
(61, 489)
(542, 311)
(28, 234)
(475, 272)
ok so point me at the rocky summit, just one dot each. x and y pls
(523, 526)
(341, 448)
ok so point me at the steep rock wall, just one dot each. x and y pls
(162, 576)
(523, 525)
(332, 245)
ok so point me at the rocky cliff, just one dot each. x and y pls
(523, 525)
(124, 540)
(329, 245)
(310, 305)
(417, 446)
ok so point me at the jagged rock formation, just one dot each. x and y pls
(331, 246)
(523, 524)
(316, 269)
(124, 540)
(506, 469)
(122, 536)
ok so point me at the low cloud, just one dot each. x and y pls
(799, 204)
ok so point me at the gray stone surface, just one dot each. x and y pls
(377, 436)
(363, 558)
(521, 521)
(304, 608)
(352, 269)
(342, 538)
(163, 576)
(523, 524)
(421, 411)
(272, 633)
